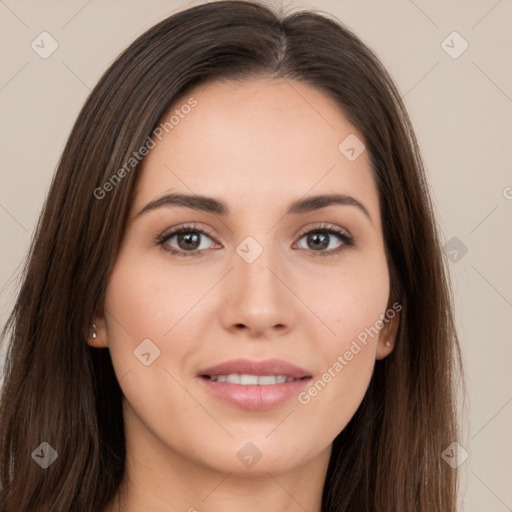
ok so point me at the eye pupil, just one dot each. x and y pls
(189, 238)
(319, 240)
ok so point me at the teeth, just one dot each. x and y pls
(252, 380)
(248, 379)
(266, 379)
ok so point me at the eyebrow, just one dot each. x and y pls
(219, 207)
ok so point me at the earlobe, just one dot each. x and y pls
(387, 337)
(97, 333)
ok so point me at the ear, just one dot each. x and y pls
(98, 333)
(387, 335)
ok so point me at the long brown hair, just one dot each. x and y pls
(57, 389)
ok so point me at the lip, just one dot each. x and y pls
(266, 367)
(255, 397)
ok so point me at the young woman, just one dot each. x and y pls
(235, 298)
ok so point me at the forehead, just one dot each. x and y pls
(259, 143)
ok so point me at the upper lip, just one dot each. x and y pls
(246, 366)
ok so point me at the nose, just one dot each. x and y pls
(258, 297)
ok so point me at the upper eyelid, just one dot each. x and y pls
(187, 227)
(324, 226)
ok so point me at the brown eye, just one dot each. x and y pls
(189, 240)
(185, 241)
(318, 241)
(326, 240)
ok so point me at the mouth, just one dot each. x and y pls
(243, 371)
(255, 385)
(245, 379)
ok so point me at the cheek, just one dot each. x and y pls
(147, 299)
(350, 302)
(142, 308)
(351, 305)
(348, 360)
(148, 304)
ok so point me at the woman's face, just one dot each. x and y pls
(263, 284)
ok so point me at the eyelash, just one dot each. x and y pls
(346, 239)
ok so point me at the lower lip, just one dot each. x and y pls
(255, 397)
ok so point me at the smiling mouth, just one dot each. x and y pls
(245, 379)
(255, 385)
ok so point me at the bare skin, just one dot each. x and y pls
(258, 146)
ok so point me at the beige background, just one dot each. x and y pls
(462, 112)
